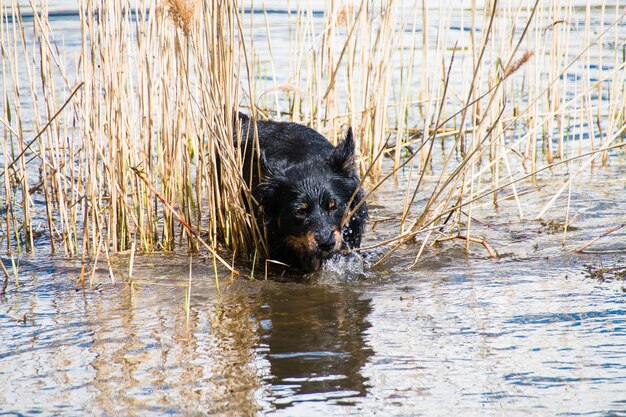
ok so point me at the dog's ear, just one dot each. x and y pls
(342, 157)
(271, 169)
(268, 193)
(273, 178)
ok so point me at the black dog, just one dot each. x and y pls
(303, 190)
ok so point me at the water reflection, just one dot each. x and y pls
(128, 349)
(470, 334)
(313, 340)
(148, 358)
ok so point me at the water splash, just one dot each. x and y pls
(342, 268)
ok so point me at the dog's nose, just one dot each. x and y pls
(328, 243)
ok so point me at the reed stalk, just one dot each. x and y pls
(128, 140)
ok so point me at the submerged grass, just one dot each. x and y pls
(129, 144)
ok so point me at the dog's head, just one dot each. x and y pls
(304, 203)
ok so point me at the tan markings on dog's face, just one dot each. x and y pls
(302, 243)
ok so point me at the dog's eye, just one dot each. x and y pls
(302, 209)
(332, 204)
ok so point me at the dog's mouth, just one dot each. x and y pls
(308, 254)
(312, 265)
(312, 262)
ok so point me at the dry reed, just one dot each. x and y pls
(132, 145)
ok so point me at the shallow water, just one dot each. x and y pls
(527, 334)
(458, 333)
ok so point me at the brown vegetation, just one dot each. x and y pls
(122, 145)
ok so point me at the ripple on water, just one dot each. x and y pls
(453, 334)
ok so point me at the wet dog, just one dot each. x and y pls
(303, 188)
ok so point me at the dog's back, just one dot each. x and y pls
(285, 141)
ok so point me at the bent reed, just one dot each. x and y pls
(126, 142)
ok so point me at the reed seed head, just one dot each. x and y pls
(182, 13)
(515, 65)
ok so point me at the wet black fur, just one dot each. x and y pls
(298, 165)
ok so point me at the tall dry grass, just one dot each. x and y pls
(133, 158)
(479, 98)
(130, 145)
